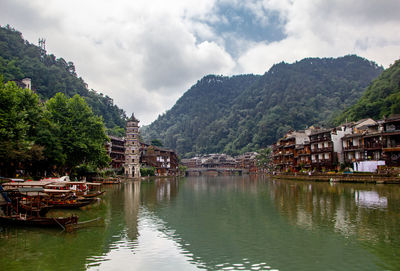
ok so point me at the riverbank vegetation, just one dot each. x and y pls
(59, 136)
(382, 98)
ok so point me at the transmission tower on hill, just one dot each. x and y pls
(42, 46)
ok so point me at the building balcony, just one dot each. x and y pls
(288, 154)
(350, 148)
(118, 160)
(325, 149)
(117, 152)
(304, 153)
(322, 162)
(392, 149)
(391, 132)
(373, 146)
(292, 145)
(352, 160)
(320, 139)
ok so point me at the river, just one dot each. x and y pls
(220, 223)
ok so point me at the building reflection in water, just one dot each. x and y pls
(158, 191)
(153, 192)
(350, 209)
(131, 206)
(370, 199)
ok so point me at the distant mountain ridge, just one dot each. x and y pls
(247, 112)
(382, 97)
(20, 59)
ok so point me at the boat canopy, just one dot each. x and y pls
(30, 189)
(26, 184)
(57, 179)
(53, 191)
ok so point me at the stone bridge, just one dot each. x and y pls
(215, 171)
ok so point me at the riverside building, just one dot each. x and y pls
(364, 146)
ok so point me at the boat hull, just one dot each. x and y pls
(39, 221)
(93, 195)
(71, 205)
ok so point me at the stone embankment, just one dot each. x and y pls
(341, 178)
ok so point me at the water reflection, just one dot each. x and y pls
(224, 220)
(368, 213)
(222, 223)
(131, 208)
(370, 199)
(362, 210)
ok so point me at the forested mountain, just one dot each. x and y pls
(382, 97)
(243, 113)
(20, 59)
(198, 117)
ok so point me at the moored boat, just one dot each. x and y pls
(93, 194)
(26, 220)
(30, 201)
(71, 204)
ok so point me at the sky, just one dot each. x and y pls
(146, 53)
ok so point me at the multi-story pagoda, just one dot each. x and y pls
(132, 148)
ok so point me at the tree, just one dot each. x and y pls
(156, 142)
(264, 159)
(80, 135)
(116, 131)
(382, 98)
(19, 117)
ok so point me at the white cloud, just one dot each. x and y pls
(146, 53)
(141, 53)
(329, 29)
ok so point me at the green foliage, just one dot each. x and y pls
(382, 97)
(19, 117)
(156, 142)
(182, 169)
(62, 135)
(116, 131)
(20, 59)
(248, 112)
(147, 171)
(80, 135)
(264, 158)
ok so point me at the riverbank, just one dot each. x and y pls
(341, 178)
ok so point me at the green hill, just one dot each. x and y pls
(248, 112)
(20, 59)
(382, 97)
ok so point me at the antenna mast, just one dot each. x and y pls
(42, 46)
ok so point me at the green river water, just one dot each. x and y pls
(220, 223)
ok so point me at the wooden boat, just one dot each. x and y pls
(30, 201)
(56, 179)
(92, 190)
(71, 204)
(40, 210)
(78, 188)
(38, 197)
(26, 206)
(93, 195)
(112, 181)
(34, 221)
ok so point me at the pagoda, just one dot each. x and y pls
(132, 148)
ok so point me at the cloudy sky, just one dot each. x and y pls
(146, 53)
